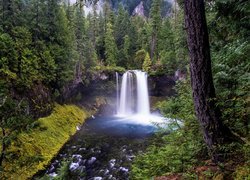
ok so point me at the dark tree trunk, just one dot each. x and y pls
(153, 46)
(3, 148)
(207, 112)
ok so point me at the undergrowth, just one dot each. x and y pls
(31, 151)
(179, 151)
(183, 152)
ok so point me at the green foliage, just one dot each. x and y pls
(175, 156)
(110, 69)
(30, 151)
(139, 58)
(232, 82)
(110, 46)
(126, 51)
(146, 63)
(177, 152)
(13, 114)
(63, 172)
(230, 51)
(243, 171)
(156, 22)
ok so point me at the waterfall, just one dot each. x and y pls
(117, 90)
(133, 97)
(142, 93)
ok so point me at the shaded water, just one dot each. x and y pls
(103, 149)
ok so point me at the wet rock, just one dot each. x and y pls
(124, 150)
(92, 150)
(76, 157)
(53, 174)
(82, 149)
(161, 85)
(97, 178)
(73, 166)
(51, 169)
(98, 151)
(112, 163)
(106, 172)
(82, 162)
(123, 169)
(82, 169)
(91, 160)
(130, 157)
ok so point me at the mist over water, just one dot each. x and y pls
(133, 104)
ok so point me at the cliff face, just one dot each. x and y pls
(134, 7)
(104, 84)
(161, 85)
(139, 10)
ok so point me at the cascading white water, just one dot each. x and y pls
(133, 99)
(130, 102)
(126, 95)
(142, 93)
(117, 90)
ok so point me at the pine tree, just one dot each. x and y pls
(167, 48)
(139, 58)
(214, 131)
(147, 63)
(126, 52)
(101, 36)
(80, 35)
(121, 26)
(155, 17)
(110, 46)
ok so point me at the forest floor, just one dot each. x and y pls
(235, 168)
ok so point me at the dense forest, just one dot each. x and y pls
(48, 46)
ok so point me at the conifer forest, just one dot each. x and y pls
(124, 89)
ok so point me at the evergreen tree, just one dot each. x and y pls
(61, 48)
(167, 48)
(101, 36)
(214, 131)
(110, 46)
(80, 35)
(155, 18)
(139, 58)
(121, 26)
(147, 63)
(126, 52)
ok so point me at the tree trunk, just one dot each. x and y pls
(3, 148)
(207, 111)
(153, 46)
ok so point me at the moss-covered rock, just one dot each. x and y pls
(33, 150)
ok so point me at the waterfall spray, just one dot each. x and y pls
(133, 97)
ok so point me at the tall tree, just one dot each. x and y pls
(208, 114)
(126, 50)
(155, 15)
(80, 34)
(110, 46)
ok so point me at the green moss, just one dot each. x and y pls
(32, 151)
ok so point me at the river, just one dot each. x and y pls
(103, 148)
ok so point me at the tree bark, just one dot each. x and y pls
(153, 46)
(207, 111)
(3, 148)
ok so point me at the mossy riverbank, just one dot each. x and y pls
(33, 150)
